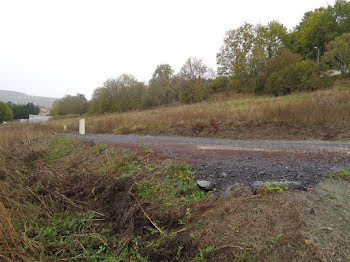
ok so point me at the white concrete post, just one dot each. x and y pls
(65, 128)
(82, 126)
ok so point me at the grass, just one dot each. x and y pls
(340, 174)
(317, 115)
(145, 149)
(69, 235)
(61, 199)
(176, 188)
(65, 200)
(328, 228)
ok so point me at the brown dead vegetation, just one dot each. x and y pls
(318, 115)
(244, 227)
(29, 185)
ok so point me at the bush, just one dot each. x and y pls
(147, 101)
(121, 94)
(5, 112)
(70, 105)
(192, 91)
(220, 84)
(288, 73)
(308, 77)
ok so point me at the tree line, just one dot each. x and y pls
(10, 111)
(263, 59)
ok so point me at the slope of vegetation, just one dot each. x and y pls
(318, 115)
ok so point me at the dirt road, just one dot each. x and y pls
(225, 162)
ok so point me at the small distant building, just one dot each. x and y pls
(38, 118)
(333, 72)
(44, 111)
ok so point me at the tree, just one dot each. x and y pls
(163, 72)
(193, 69)
(273, 38)
(23, 111)
(160, 90)
(101, 101)
(118, 95)
(338, 53)
(125, 92)
(233, 56)
(316, 29)
(246, 49)
(5, 112)
(288, 72)
(284, 60)
(192, 81)
(70, 105)
(341, 11)
(278, 78)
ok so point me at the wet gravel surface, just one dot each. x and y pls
(225, 162)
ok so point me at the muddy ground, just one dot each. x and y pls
(225, 162)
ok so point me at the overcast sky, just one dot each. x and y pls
(58, 47)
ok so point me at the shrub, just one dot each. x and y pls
(296, 76)
(70, 105)
(5, 112)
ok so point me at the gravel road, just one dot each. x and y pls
(225, 162)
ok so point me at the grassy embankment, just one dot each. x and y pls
(323, 114)
(61, 199)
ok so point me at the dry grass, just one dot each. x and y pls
(264, 226)
(319, 115)
(329, 227)
(242, 228)
(12, 207)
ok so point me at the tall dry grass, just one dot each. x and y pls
(14, 245)
(223, 116)
(322, 107)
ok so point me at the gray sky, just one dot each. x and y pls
(58, 47)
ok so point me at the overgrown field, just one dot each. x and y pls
(66, 200)
(323, 114)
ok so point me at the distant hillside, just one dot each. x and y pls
(21, 98)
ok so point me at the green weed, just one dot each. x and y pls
(244, 256)
(178, 253)
(131, 253)
(339, 174)
(124, 165)
(271, 244)
(332, 197)
(275, 186)
(203, 252)
(145, 149)
(177, 187)
(60, 147)
(99, 148)
(70, 234)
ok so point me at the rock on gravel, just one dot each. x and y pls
(234, 189)
(291, 184)
(205, 185)
(224, 175)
